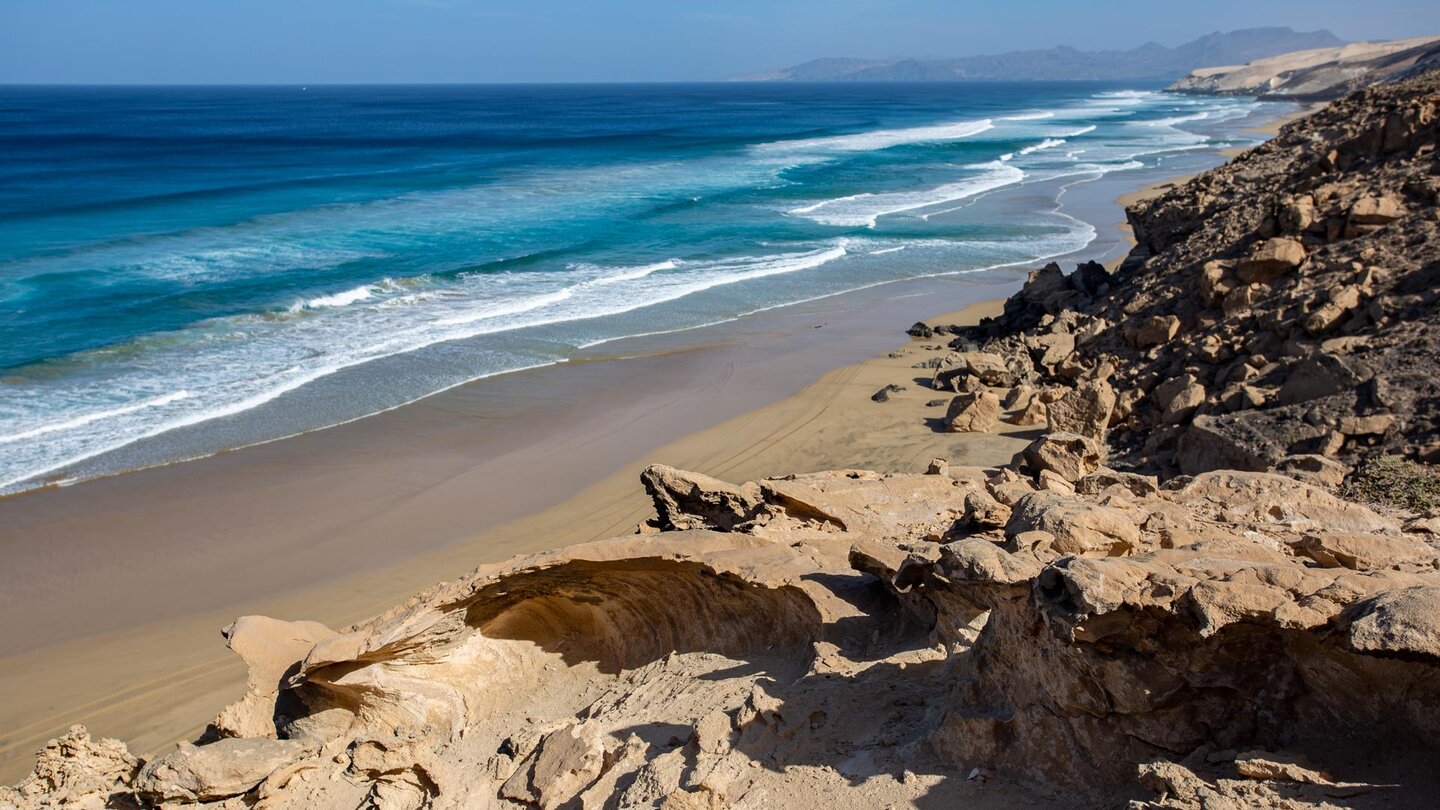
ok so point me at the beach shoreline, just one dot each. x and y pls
(118, 587)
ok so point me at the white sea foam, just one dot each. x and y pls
(1033, 116)
(881, 138)
(94, 416)
(635, 273)
(1048, 143)
(340, 299)
(865, 210)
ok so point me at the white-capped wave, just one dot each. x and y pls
(362, 293)
(95, 416)
(1032, 116)
(881, 138)
(865, 210)
(1048, 143)
(617, 275)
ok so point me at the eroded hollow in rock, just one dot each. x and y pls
(622, 615)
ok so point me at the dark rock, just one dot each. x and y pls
(883, 395)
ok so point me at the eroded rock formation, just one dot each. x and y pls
(856, 627)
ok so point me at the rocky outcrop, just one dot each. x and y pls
(1054, 624)
(1280, 307)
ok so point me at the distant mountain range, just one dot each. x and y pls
(1149, 61)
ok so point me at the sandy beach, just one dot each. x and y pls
(333, 504)
(116, 590)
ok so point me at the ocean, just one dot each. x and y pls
(189, 269)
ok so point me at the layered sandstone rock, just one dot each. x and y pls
(1077, 640)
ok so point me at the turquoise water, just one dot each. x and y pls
(183, 257)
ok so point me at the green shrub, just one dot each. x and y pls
(1397, 482)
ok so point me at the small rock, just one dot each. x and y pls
(883, 395)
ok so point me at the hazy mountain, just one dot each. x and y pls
(1149, 61)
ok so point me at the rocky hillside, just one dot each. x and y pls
(1316, 74)
(1280, 310)
(1166, 599)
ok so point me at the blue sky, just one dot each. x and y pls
(318, 41)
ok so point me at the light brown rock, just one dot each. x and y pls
(217, 770)
(1270, 260)
(1069, 455)
(1156, 331)
(976, 412)
(1084, 410)
(1078, 527)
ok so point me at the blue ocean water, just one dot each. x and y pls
(174, 257)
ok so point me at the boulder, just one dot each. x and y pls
(1297, 214)
(1178, 398)
(1404, 622)
(1363, 552)
(1380, 210)
(1069, 455)
(689, 500)
(1077, 527)
(1269, 766)
(975, 412)
(1049, 349)
(920, 330)
(218, 770)
(1270, 260)
(1156, 330)
(1318, 470)
(986, 368)
(984, 512)
(1084, 410)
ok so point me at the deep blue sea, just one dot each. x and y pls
(177, 257)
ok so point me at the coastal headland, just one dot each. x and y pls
(1162, 533)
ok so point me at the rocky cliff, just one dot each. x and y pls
(1280, 310)
(1166, 599)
